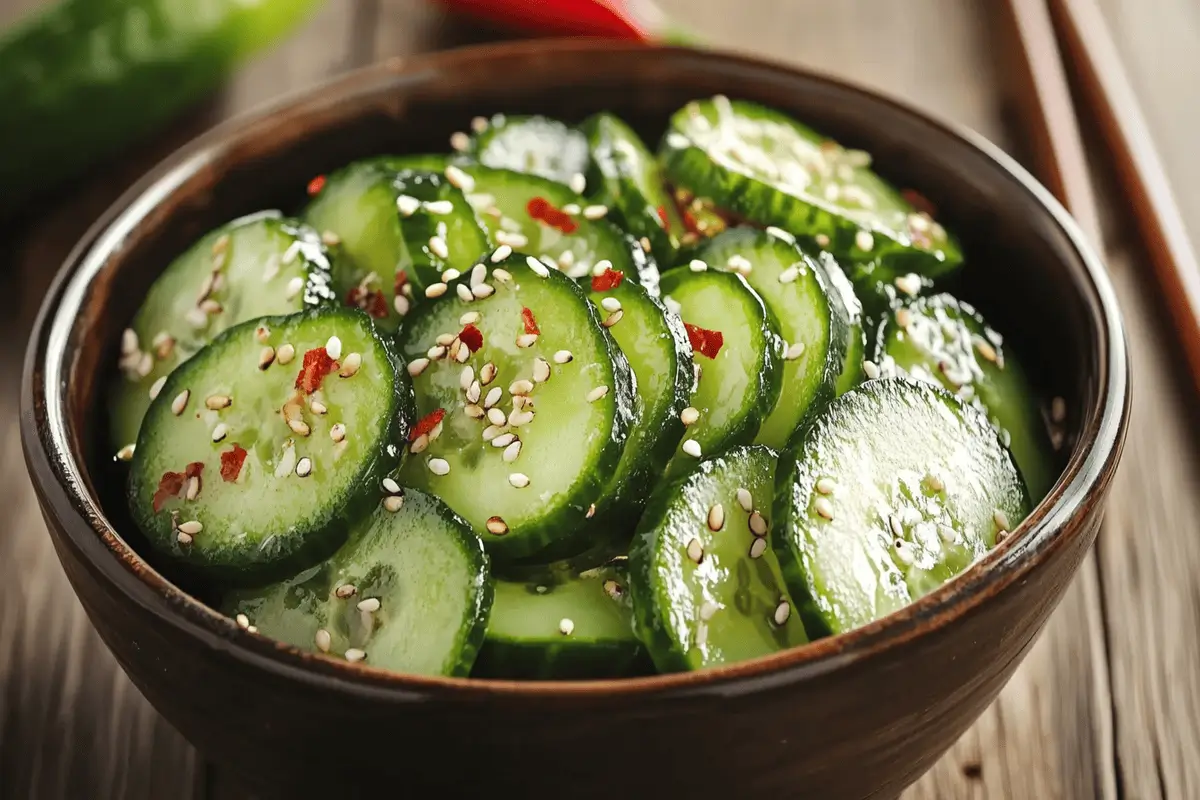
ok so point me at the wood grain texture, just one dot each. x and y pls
(72, 726)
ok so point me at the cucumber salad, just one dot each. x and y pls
(552, 405)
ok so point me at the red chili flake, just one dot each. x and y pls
(542, 210)
(919, 201)
(472, 337)
(607, 280)
(662, 217)
(530, 322)
(316, 185)
(317, 364)
(689, 222)
(371, 301)
(705, 342)
(401, 281)
(169, 486)
(231, 463)
(426, 424)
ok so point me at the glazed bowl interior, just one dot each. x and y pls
(1028, 271)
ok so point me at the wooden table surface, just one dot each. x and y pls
(1108, 703)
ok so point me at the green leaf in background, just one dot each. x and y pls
(85, 77)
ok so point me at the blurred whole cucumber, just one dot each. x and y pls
(84, 77)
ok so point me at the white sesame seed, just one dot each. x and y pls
(266, 357)
(677, 140)
(903, 317)
(602, 266)
(406, 205)
(947, 533)
(337, 432)
(464, 293)
(519, 401)
(1001, 519)
(895, 524)
(826, 486)
(578, 183)
(211, 306)
(758, 547)
(541, 370)
(563, 357)
(304, 467)
(500, 253)
(191, 527)
(689, 416)
(595, 212)
(333, 348)
(439, 466)
(157, 386)
(537, 266)
(610, 304)
(910, 284)
(460, 141)
(824, 507)
(744, 499)
(613, 318)
(125, 453)
(392, 503)
(864, 241)
(285, 354)
(504, 440)
(491, 432)
(779, 233)
(597, 393)
(757, 523)
(459, 179)
(183, 538)
(518, 418)
(323, 640)
(198, 319)
(220, 432)
(739, 263)
(351, 365)
(217, 402)
(510, 240)
(439, 207)
(519, 480)
(696, 265)
(369, 605)
(716, 517)
(298, 426)
(346, 590)
(692, 448)
(782, 612)
(354, 655)
(527, 340)
(695, 550)
(493, 396)
(417, 366)
(129, 341)
(479, 124)
(521, 387)
(419, 444)
(437, 245)
(566, 626)
(512, 451)
(330, 239)
(871, 369)
(794, 351)
(294, 286)
(466, 378)
(789, 275)
(445, 339)
(473, 410)
(482, 291)
(317, 407)
(435, 290)
(985, 349)
(243, 621)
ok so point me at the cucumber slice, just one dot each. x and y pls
(526, 479)
(575, 628)
(538, 216)
(947, 342)
(422, 565)
(896, 489)
(706, 587)
(656, 345)
(737, 381)
(241, 473)
(395, 230)
(814, 324)
(841, 293)
(259, 265)
(534, 145)
(764, 166)
(627, 178)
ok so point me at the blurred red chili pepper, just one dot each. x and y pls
(639, 20)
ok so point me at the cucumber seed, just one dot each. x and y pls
(439, 466)
(758, 547)
(519, 480)
(689, 416)
(695, 550)
(346, 590)
(716, 517)
(323, 640)
(563, 357)
(370, 605)
(285, 354)
(782, 612)
(692, 448)
(824, 507)
(745, 500)
(497, 526)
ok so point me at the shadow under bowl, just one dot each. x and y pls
(857, 715)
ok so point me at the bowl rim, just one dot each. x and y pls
(58, 481)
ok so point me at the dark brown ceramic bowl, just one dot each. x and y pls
(858, 715)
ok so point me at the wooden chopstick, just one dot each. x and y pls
(1108, 96)
(1044, 97)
